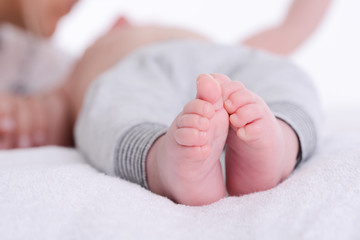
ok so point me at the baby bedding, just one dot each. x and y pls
(53, 193)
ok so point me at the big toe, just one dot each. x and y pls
(221, 78)
(208, 89)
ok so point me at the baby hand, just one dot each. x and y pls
(22, 122)
(31, 121)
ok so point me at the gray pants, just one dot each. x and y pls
(128, 107)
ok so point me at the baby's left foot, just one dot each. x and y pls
(261, 149)
(184, 163)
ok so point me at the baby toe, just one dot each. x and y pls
(255, 132)
(200, 107)
(191, 137)
(221, 78)
(193, 121)
(208, 89)
(238, 99)
(245, 115)
(197, 153)
(231, 87)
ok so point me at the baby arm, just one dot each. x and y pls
(303, 18)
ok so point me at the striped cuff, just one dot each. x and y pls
(302, 124)
(133, 149)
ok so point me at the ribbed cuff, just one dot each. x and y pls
(133, 149)
(302, 124)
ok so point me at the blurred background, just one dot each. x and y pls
(331, 56)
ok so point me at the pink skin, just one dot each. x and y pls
(303, 18)
(21, 122)
(56, 112)
(40, 119)
(184, 163)
(32, 121)
(261, 150)
(121, 22)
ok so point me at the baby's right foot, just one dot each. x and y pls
(184, 164)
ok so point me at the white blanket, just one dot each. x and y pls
(52, 193)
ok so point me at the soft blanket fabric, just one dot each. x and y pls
(52, 193)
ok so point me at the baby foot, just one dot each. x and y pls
(260, 150)
(30, 121)
(184, 163)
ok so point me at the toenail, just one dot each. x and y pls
(201, 76)
(210, 76)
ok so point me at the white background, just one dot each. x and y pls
(331, 56)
